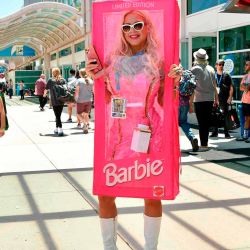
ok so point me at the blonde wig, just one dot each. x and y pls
(151, 49)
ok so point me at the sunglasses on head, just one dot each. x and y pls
(138, 26)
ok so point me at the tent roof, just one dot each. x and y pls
(42, 26)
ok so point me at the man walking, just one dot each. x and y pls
(39, 90)
(225, 92)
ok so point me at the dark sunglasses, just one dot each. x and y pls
(138, 26)
(221, 64)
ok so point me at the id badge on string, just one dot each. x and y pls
(118, 107)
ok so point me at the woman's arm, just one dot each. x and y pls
(47, 86)
(243, 87)
(175, 72)
(91, 69)
(45, 93)
(77, 92)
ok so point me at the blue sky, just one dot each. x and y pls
(9, 7)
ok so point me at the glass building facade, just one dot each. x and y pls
(231, 44)
(234, 44)
(194, 6)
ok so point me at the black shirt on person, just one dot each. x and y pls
(224, 83)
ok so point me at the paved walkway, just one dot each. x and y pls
(46, 200)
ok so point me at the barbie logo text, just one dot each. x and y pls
(126, 5)
(134, 172)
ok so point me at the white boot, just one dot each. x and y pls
(152, 227)
(109, 233)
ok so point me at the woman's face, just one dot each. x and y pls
(135, 38)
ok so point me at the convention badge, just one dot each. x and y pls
(118, 107)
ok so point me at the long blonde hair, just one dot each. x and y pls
(56, 73)
(151, 47)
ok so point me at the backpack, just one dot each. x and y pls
(62, 93)
(187, 83)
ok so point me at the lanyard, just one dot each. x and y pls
(218, 81)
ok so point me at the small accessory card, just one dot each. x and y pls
(118, 107)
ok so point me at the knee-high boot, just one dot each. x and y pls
(109, 233)
(151, 232)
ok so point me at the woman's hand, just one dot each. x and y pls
(91, 69)
(175, 72)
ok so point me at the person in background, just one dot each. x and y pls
(245, 87)
(184, 109)
(225, 89)
(88, 80)
(83, 97)
(56, 104)
(4, 125)
(10, 88)
(39, 90)
(72, 80)
(21, 89)
(205, 94)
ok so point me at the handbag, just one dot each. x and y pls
(217, 118)
(232, 120)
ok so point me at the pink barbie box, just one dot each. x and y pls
(136, 150)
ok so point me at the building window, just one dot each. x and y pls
(194, 6)
(235, 39)
(80, 46)
(234, 45)
(65, 52)
(53, 57)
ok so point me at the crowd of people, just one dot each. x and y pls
(79, 85)
(214, 89)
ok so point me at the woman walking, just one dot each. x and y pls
(57, 105)
(83, 97)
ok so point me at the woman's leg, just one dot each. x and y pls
(58, 113)
(152, 223)
(86, 117)
(108, 221)
(246, 113)
(246, 127)
(80, 118)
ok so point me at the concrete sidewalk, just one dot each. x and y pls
(46, 199)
